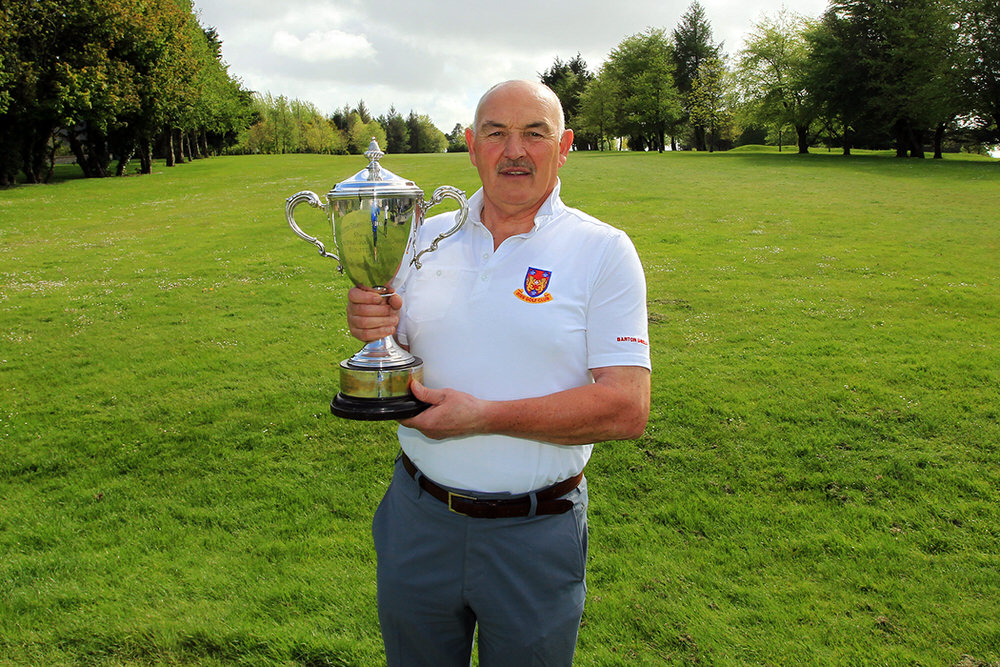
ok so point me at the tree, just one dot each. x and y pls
(397, 134)
(291, 126)
(424, 136)
(362, 134)
(568, 80)
(708, 102)
(979, 56)
(363, 113)
(598, 108)
(456, 140)
(886, 69)
(648, 105)
(106, 77)
(771, 73)
(692, 45)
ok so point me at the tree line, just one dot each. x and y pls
(111, 79)
(117, 80)
(866, 74)
(281, 125)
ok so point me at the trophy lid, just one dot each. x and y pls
(374, 181)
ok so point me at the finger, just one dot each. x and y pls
(426, 394)
(364, 295)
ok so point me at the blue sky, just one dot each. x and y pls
(436, 57)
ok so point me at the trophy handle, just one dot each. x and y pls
(311, 198)
(437, 198)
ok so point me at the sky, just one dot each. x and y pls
(437, 57)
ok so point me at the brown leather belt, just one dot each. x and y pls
(548, 500)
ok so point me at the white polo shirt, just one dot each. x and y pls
(529, 319)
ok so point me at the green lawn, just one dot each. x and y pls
(818, 484)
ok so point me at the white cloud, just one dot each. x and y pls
(322, 46)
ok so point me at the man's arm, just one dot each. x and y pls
(614, 407)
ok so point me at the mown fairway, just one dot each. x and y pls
(818, 484)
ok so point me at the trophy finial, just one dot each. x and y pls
(374, 154)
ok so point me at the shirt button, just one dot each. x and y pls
(486, 277)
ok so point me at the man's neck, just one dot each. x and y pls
(503, 223)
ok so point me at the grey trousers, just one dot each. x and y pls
(440, 574)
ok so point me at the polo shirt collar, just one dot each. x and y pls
(549, 210)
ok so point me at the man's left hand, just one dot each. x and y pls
(452, 413)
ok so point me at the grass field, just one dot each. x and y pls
(818, 483)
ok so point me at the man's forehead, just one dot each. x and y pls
(515, 124)
(518, 104)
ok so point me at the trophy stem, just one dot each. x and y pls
(381, 354)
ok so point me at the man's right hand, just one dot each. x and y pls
(370, 315)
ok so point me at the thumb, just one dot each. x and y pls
(426, 394)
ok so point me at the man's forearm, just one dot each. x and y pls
(614, 407)
(579, 416)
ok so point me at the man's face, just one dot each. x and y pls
(517, 148)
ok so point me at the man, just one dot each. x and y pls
(531, 322)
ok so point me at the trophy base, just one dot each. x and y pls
(376, 409)
(375, 394)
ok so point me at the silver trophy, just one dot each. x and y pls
(375, 216)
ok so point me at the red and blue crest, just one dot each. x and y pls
(536, 281)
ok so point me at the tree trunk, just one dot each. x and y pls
(938, 141)
(902, 139)
(803, 134)
(699, 138)
(177, 137)
(916, 140)
(124, 158)
(145, 156)
(77, 147)
(52, 157)
(193, 149)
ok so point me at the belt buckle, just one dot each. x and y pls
(452, 495)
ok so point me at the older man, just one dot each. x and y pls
(531, 322)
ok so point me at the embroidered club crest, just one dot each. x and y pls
(536, 281)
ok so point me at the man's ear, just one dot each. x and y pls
(565, 142)
(469, 136)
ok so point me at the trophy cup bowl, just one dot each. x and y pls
(375, 217)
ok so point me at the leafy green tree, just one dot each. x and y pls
(364, 114)
(979, 32)
(361, 135)
(397, 134)
(886, 69)
(291, 126)
(709, 102)
(599, 109)
(456, 140)
(106, 76)
(424, 136)
(648, 103)
(568, 80)
(692, 45)
(771, 72)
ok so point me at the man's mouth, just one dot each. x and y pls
(514, 169)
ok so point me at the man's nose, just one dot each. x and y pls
(514, 146)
